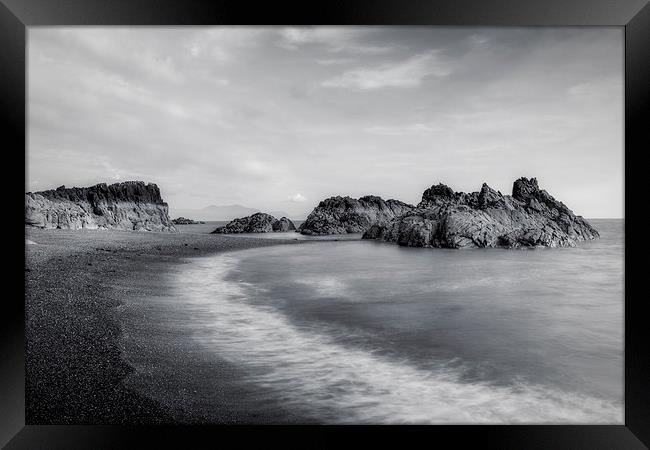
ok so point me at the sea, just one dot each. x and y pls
(354, 331)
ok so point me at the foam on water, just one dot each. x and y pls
(306, 367)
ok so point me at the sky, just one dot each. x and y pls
(280, 118)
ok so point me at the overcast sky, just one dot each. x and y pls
(280, 118)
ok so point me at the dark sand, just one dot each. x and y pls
(75, 283)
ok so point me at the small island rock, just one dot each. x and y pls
(444, 218)
(256, 223)
(341, 215)
(283, 225)
(185, 221)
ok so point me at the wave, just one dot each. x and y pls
(308, 369)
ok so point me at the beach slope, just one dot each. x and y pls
(75, 283)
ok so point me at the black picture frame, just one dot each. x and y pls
(633, 15)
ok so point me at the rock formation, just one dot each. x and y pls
(131, 205)
(444, 218)
(340, 215)
(257, 223)
(283, 225)
(184, 221)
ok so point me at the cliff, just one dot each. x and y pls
(131, 205)
(444, 218)
(257, 223)
(340, 215)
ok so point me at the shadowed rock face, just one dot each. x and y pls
(131, 205)
(530, 217)
(257, 223)
(283, 225)
(340, 215)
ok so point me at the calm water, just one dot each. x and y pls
(362, 331)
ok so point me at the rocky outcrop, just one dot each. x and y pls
(184, 221)
(257, 223)
(340, 215)
(131, 205)
(444, 218)
(283, 225)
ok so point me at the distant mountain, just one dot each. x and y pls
(221, 212)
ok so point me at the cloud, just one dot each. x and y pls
(221, 45)
(297, 198)
(222, 115)
(597, 89)
(399, 130)
(335, 40)
(334, 61)
(292, 38)
(407, 74)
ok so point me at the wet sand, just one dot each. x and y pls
(76, 285)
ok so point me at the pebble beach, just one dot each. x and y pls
(75, 283)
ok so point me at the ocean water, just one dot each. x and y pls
(367, 332)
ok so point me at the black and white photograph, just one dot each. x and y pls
(324, 225)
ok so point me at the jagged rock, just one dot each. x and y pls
(184, 221)
(131, 205)
(257, 223)
(438, 194)
(530, 217)
(489, 197)
(340, 215)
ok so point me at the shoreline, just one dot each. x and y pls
(107, 331)
(76, 281)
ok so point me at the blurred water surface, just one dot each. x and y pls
(362, 331)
